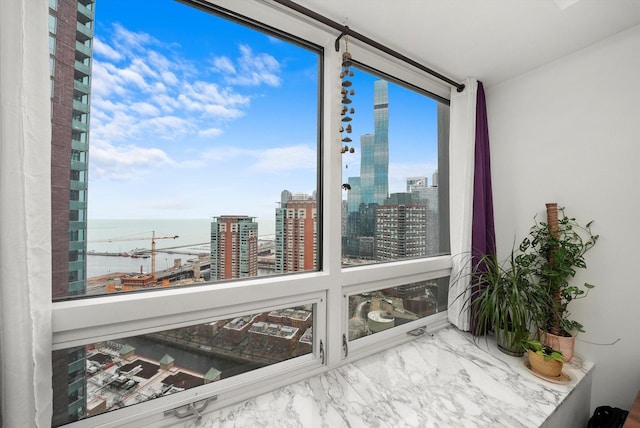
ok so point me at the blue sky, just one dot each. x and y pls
(193, 116)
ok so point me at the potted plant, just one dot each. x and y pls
(554, 251)
(502, 298)
(543, 359)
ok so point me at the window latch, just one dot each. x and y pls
(192, 409)
(345, 345)
(418, 331)
(321, 352)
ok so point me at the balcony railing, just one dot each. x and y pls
(83, 32)
(79, 86)
(84, 49)
(80, 106)
(83, 68)
(84, 13)
(79, 126)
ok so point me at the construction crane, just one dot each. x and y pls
(153, 247)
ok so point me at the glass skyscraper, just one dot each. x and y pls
(371, 188)
(380, 142)
(374, 151)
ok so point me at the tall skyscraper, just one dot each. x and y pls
(70, 57)
(374, 150)
(371, 187)
(296, 233)
(381, 141)
(234, 247)
(70, 48)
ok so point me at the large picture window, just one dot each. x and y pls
(188, 145)
(211, 123)
(206, 219)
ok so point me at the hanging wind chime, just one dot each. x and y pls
(345, 92)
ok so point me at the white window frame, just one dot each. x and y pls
(133, 314)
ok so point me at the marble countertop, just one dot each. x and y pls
(441, 380)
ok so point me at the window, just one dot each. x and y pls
(392, 198)
(382, 309)
(128, 371)
(203, 219)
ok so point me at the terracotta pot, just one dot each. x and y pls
(549, 368)
(564, 344)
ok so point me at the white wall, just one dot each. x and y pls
(569, 132)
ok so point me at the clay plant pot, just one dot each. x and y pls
(562, 343)
(549, 367)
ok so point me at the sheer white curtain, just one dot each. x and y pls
(25, 215)
(461, 170)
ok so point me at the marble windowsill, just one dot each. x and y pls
(440, 380)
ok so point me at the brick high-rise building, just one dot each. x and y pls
(234, 247)
(297, 234)
(70, 58)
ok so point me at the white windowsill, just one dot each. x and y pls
(440, 380)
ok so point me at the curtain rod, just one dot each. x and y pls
(345, 30)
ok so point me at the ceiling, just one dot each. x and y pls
(492, 40)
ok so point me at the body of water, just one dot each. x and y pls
(125, 236)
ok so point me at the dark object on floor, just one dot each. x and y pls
(607, 417)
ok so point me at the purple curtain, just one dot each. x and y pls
(482, 234)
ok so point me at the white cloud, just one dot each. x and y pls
(129, 39)
(225, 153)
(143, 96)
(211, 132)
(169, 78)
(287, 158)
(223, 64)
(105, 81)
(145, 109)
(124, 162)
(105, 50)
(130, 75)
(209, 99)
(251, 70)
(166, 103)
(139, 66)
(166, 127)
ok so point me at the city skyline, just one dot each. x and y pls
(186, 123)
